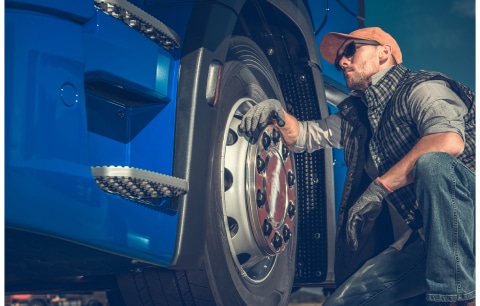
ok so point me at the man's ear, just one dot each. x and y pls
(385, 53)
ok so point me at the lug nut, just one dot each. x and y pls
(260, 164)
(227, 179)
(266, 141)
(231, 137)
(286, 233)
(291, 209)
(261, 198)
(267, 228)
(285, 152)
(275, 136)
(291, 179)
(277, 241)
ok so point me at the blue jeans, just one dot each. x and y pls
(442, 266)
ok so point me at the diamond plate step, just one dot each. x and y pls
(138, 185)
(140, 20)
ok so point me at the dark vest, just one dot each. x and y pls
(347, 261)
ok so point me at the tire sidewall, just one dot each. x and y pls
(228, 285)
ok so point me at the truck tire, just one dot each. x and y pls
(37, 302)
(249, 256)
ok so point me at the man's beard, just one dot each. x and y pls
(357, 81)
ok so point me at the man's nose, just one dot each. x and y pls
(343, 62)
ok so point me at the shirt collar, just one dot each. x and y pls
(377, 76)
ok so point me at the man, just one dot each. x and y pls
(409, 139)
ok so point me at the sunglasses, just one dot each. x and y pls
(351, 48)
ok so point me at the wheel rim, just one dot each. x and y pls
(259, 196)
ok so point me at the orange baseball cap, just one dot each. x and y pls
(332, 41)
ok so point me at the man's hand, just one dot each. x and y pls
(362, 215)
(259, 116)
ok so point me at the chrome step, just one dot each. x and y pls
(138, 185)
(140, 20)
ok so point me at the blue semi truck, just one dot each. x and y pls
(124, 167)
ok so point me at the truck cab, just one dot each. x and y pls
(125, 170)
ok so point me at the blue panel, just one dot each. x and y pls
(80, 11)
(49, 143)
(45, 116)
(129, 125)
(116, 53)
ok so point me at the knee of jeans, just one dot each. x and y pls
(432, 166)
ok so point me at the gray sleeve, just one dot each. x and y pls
(436, 108)
(319, 134)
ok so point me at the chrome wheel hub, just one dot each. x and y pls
(259, 196)
(272, 197)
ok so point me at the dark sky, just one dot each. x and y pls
(433, 34)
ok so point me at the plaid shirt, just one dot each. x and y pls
(388, 109)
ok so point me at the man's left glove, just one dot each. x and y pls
(259, 116)
(362, 215)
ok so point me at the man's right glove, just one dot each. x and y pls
(259, 116)
(362, 215)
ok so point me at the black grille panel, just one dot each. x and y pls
(311, 265)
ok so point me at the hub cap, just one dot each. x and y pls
(273, 192)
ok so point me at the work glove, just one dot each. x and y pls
(259, 116)
(362, 215)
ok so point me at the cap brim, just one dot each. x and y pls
(330, 44)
